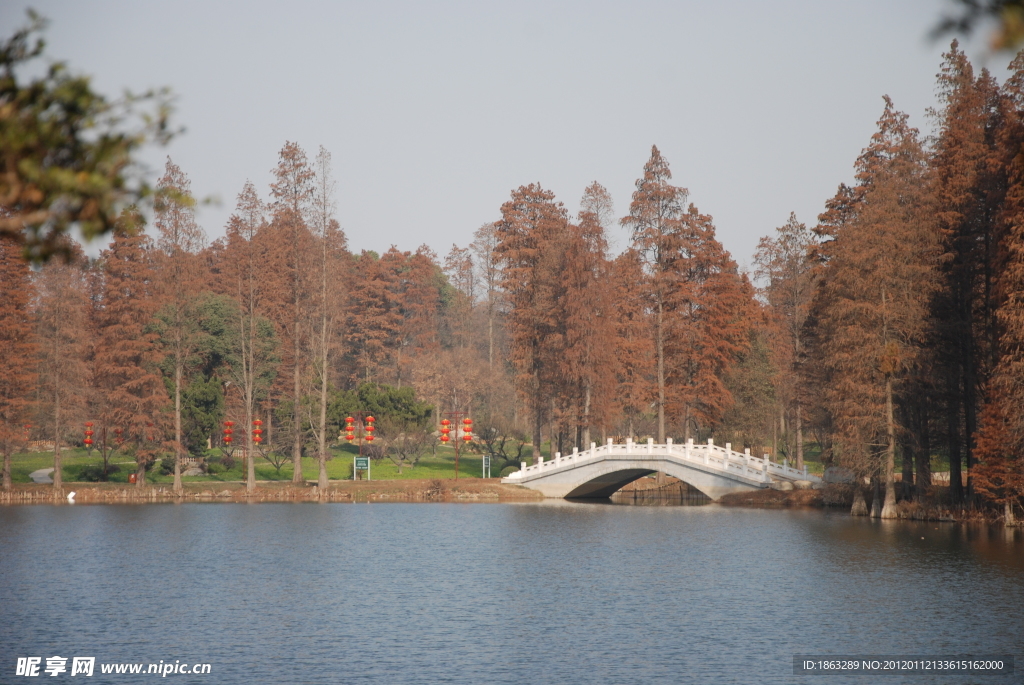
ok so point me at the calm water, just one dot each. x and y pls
(513, 593)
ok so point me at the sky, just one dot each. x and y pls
(434, 111)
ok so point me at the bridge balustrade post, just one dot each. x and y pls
(650, 445)
(522, 466)
(609, 443)
(728, 447)
(668, 441)
(785, 463)
(805, 471)
(764, 469)
(558, 457)
(593, 448)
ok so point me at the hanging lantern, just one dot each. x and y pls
(370, 428)
(445, 438)
(467, 421)
(349, 419)
(369, 438)
(228, 431)
(467, 437)
(227, 439)
(445, 422)
(370, 419)
(350, 437)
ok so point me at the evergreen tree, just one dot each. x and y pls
(18, 360)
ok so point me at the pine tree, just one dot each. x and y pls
(127, 355)
(250, 257)
(707, 316)
(871, 314)
(292, 191)
(63, 335)
(178, 284)
(964, 306)
(654, 219)
(333, 253)
(787, 273)
(530, 248)
(18, 360)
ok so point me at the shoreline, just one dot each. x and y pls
(409, 490)
(476, 490)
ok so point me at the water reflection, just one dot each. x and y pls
(671, 492)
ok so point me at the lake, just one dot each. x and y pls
(550, 592)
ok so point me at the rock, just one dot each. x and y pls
(783, 485)
(224, 493)
(193, 472)
(802, 484)
(838, 474)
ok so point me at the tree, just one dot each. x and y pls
(292, 191)
(18, 361)
(178, 282)
(654, 219)
(706, 319)
(253, 361)
(874, 298)
(63, 337)
(530, 247)
(330, 303)
(634, 345)
(785, 269)
(964, 306)
(65, 154)
(127, 354)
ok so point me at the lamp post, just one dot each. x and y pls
(366, 433)
(467, 432)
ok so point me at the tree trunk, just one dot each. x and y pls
(58, 469)
(876, 498)
(659, 335)
(177, 429)
(956, 492)
(140, 475)
(585, 437)
(860, 505)
(1008, 517)
(799, 437)
(888, 510)
(297, 420)
(7, 471)
(538, 416)
(923, 465)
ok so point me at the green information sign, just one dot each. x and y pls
(362, 463)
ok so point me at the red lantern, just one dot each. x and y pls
(370, 429)
(445, 438)
(227, 439)
(445, 422)
(467, 437)
(349, 419)
(350, 437)
(369, 438)
(467, 421)
(370, 419)
(88, 441)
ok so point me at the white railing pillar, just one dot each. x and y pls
(650, 445)
(785, 463)
(764, 470)
(728, 447)
(609, 443)
(522, 466)
(805, 471)
(668, 441)
(593, 448)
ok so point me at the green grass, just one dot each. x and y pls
(339, 467)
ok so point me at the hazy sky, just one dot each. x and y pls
(435, 111)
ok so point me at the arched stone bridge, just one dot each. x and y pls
(600, 471)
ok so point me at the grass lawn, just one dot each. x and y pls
(339, 467)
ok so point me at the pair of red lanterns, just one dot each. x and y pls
(89, 432)
(467, 429)
(368, 428)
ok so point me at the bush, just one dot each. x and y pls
(508, 470)
(213, 468)
(92, 473)
(166, 466)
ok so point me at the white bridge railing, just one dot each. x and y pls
(709, 457)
